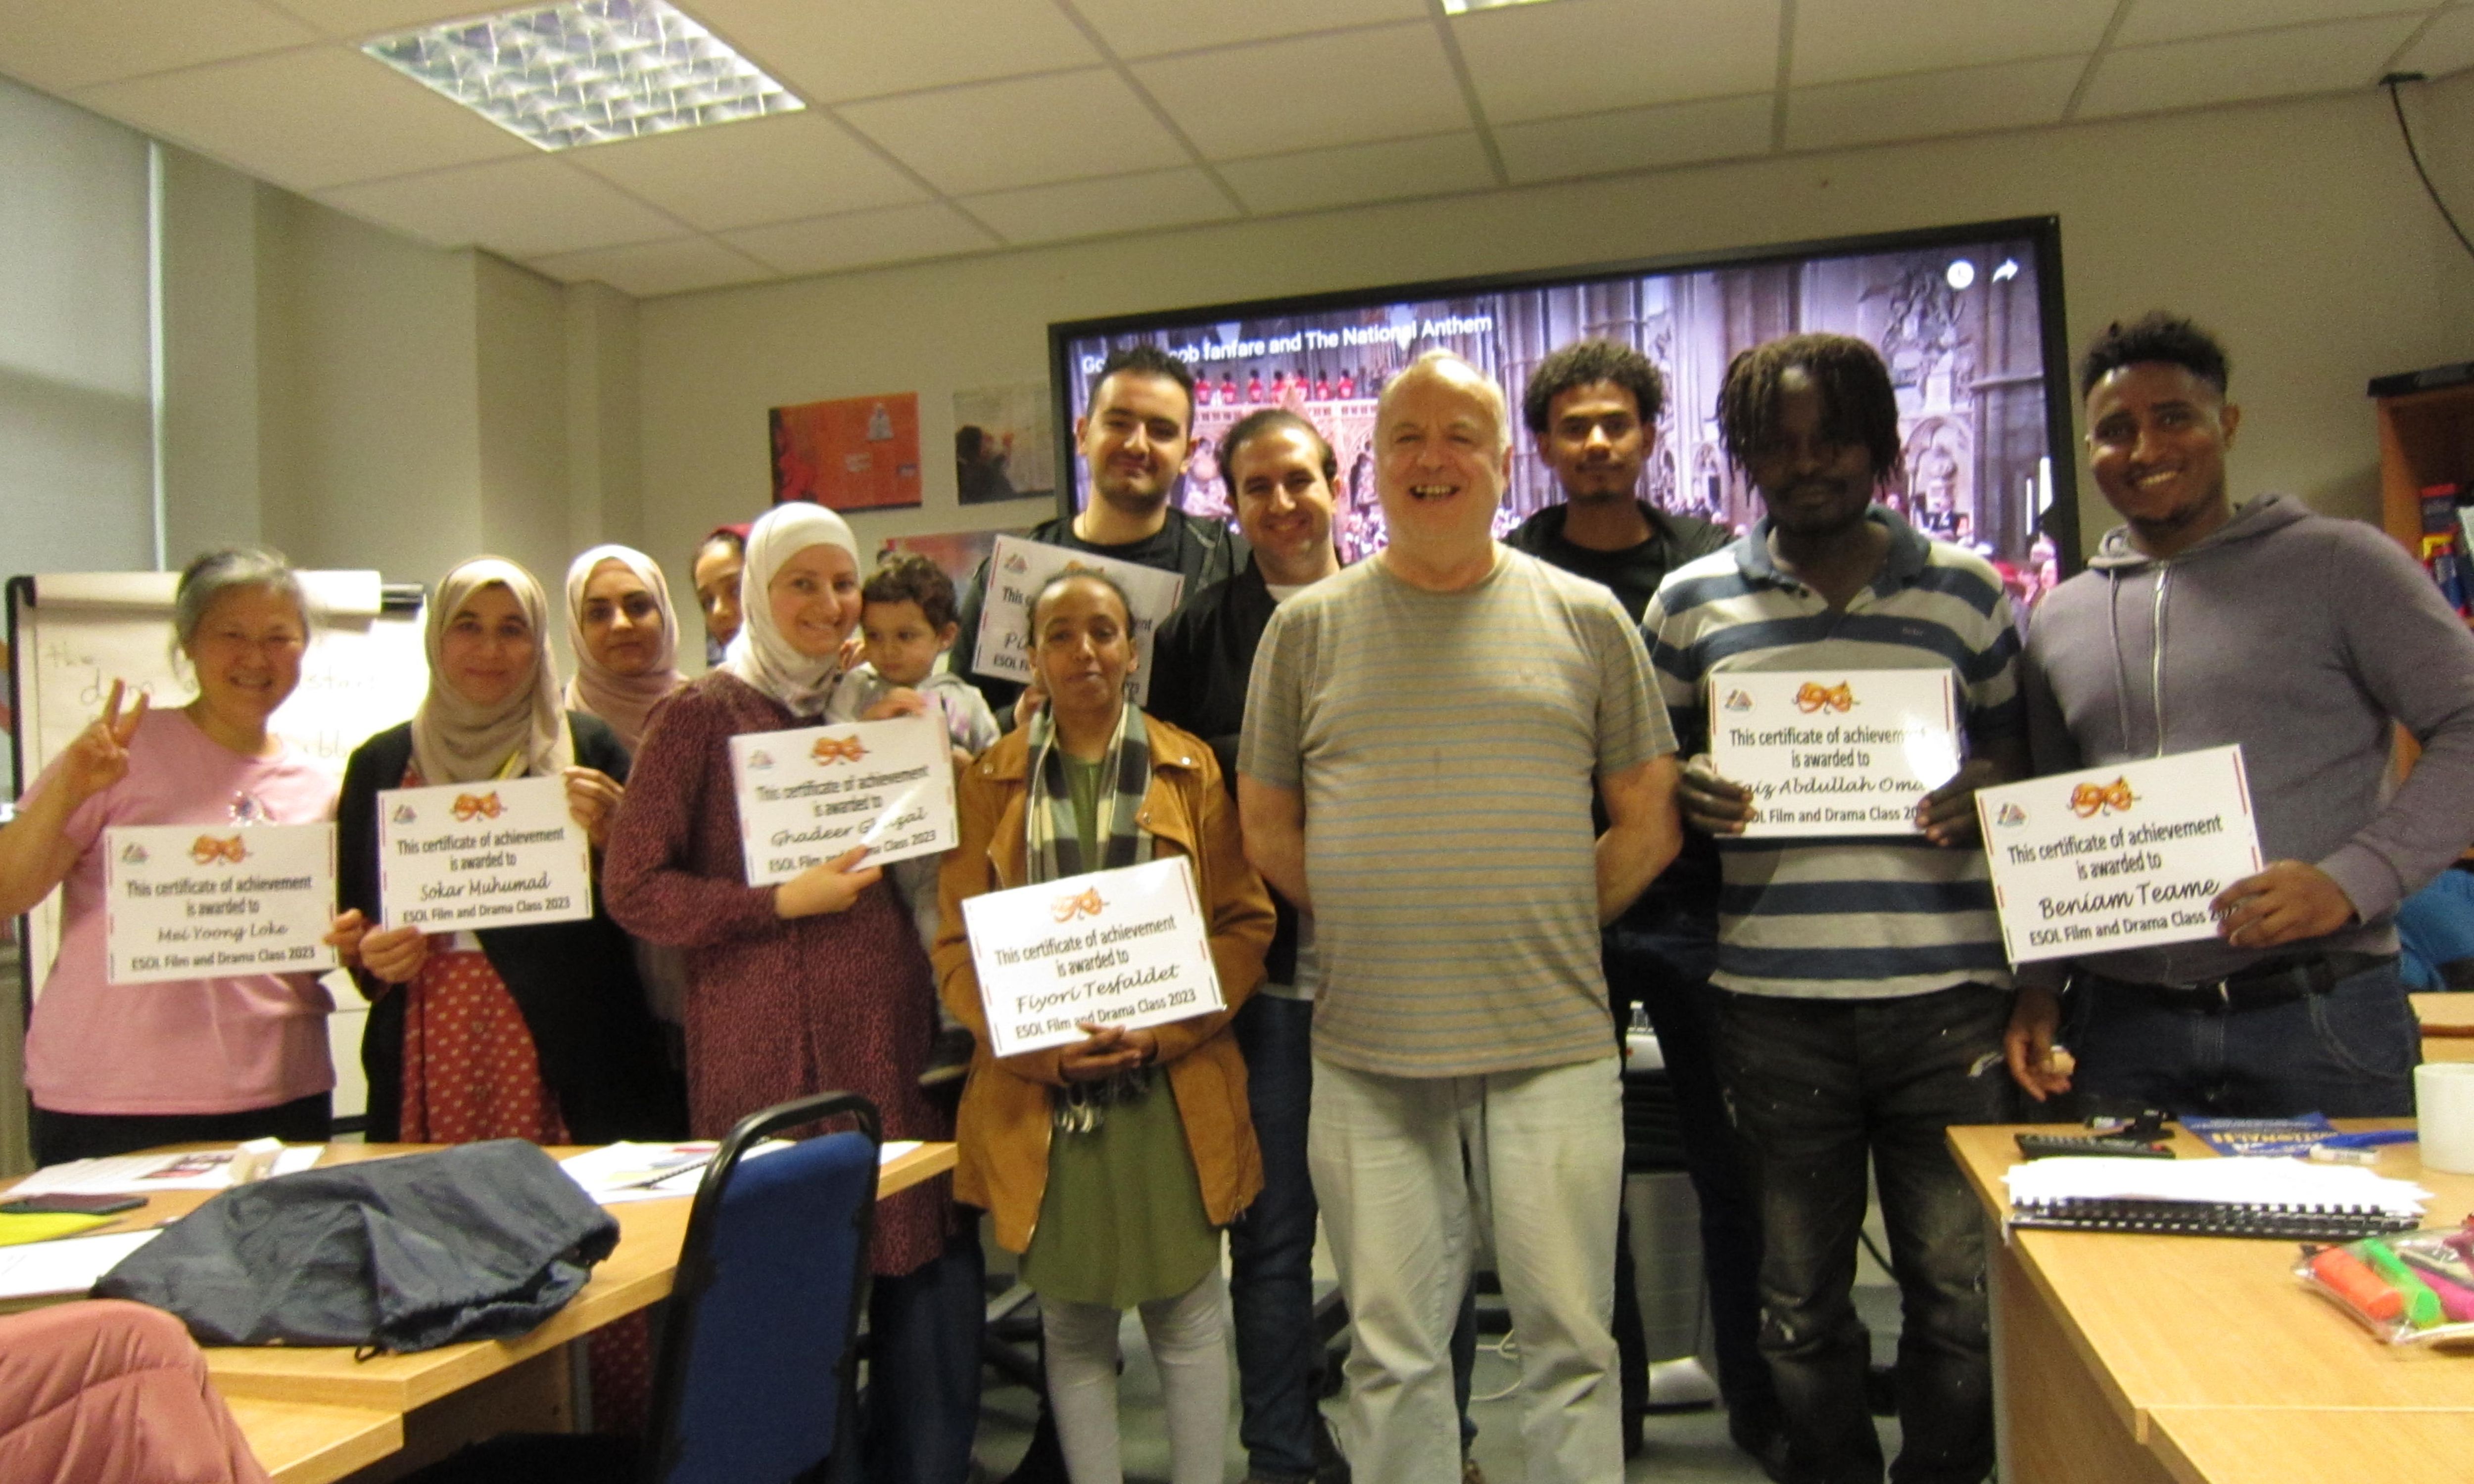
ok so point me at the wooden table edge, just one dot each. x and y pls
(359, 1436)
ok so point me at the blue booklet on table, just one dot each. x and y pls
(2280, 1137)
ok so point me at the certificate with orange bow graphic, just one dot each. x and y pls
(2119, 856)
(1124, 947)
(817, 793)
(201, 901)
(1845, 753)
(498, 853)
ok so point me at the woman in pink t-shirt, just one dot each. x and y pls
(117, 1067)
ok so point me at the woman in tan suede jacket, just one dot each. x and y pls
(1115, 1194)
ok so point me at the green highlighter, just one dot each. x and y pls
(2422, 1308)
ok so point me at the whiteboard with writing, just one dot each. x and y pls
(71, 634)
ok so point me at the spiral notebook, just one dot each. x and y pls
(2284, 1199)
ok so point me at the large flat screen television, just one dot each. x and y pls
(1968, 317)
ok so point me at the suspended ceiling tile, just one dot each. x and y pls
(1581, 55)
(60, 44)
(2447, 47)
(829, 52)
(1024, 131)
(777, 169)
(519, 208)
(1355, 173)
(862, 238)
(1272, 96)
(1840, 41)
(1093, 208)
(2181, 20)
(1928, 104)
(1678, 134)
(306, 119)
(1146, 28)
(2230, 69)
(354, 20)
(654, 268)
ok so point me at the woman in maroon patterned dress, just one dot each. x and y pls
(818, 984)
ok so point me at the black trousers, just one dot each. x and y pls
(60, 1138)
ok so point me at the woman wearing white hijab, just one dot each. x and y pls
(625, 638)
(819, 983)
(537, 1032)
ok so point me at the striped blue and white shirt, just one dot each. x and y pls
(1856, 919)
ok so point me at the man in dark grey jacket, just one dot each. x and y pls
(2306, 639)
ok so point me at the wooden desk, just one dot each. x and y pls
(314, 1413)
(2097, 1336)
(2219, 1445)
(2447, 1025)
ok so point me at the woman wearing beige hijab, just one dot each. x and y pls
(536, 1032)
(625, 636)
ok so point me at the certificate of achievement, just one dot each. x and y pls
(190, 901)
(494, 855)
(1018, 568)
(1850, 753)
(1124, 947)
(2119, 856)
(809, 796)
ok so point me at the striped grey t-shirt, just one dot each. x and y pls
(1448, 746)
(1862, 917)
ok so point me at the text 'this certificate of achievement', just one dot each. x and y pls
(494, 855)
(814, 793)
(1127, 946)
(186, 901)
(1850, 753)
(2119, 856)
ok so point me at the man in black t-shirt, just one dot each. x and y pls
(1136, 440)
(1592, 408)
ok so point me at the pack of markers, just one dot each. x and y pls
(2407, 1287)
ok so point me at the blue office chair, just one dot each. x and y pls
(757, 1375)
(756, 1379)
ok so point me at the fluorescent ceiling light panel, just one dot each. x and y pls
(1465, 6)
(587, 72)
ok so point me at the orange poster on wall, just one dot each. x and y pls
(855, 453)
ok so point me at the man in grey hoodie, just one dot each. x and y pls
(2306, 639)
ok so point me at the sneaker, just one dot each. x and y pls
(1470, 1473)
(948, 1058)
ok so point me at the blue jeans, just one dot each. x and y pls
(1664, 964)
(1270, 1246)
(1819, 1088)
(2349, 1053)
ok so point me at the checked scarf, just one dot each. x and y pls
(1053, 841)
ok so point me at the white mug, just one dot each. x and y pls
(2444, 1101)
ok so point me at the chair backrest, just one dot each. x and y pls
(756, 1372)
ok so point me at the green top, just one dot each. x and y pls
(1122, 1222)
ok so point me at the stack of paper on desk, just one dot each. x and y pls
(72, 1266)
(2265, 1184)
(144, 1174)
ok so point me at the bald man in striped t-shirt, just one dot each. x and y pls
(1425, 735)
(1866, 991)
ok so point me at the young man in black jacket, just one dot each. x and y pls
(1279, 472)
(1136, 440)
(1592, 408)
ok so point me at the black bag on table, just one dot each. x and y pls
(481, 1241)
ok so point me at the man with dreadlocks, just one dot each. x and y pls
(1865, 991)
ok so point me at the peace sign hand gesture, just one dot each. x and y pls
(99, 757)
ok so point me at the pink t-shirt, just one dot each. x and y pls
(189, 1045)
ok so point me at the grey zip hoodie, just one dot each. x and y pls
(2302, 637)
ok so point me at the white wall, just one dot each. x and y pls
(2295, 230)
(77, 441)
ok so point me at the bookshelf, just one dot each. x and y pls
(2426, 422)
